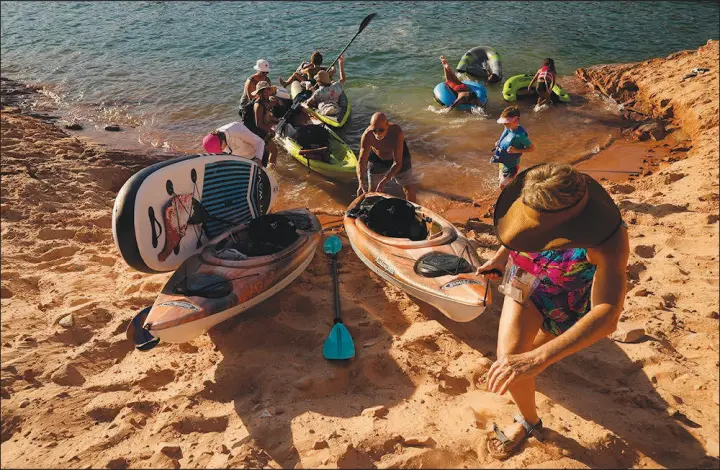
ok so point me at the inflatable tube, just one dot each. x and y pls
(519, 83)
(480, 62)
(445, 96)
(152, 217)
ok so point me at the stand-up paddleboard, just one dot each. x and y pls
(166, 212)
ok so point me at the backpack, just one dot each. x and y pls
(270, 234)
(312, 136)
(395, 217)
(247, 114)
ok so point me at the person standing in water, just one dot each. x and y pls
(513, 142)
(384, 156)
(544, 81)
(262, 74)
(564, 250)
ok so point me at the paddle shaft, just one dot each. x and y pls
(363, 25)
(336, 287)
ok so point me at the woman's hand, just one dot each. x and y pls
(513, 367)
(490, 265)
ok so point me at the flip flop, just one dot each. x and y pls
(508, 446)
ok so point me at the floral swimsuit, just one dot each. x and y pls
(563, 295)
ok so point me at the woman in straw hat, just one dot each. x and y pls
(564, 253)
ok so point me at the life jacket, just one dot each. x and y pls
(247, 113)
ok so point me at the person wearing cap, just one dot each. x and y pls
(258, 117)
(307, 70)
(262, 74)
(513, 142)
(326, 97)
(566, 249)
(237, 140)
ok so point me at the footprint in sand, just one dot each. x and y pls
(47, 233)
(645, 251)
(201, 424)
(634, 270)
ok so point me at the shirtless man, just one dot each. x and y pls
(384, 156)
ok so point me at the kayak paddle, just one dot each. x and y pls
(363, 25)
(339, 344)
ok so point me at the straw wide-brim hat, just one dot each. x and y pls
(589, 222)
(263, 85)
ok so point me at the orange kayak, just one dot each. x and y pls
(437, 265)
(235, 271)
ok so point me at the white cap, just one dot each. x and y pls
(262, 65)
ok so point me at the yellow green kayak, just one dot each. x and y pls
(338, 120)
(341, 163)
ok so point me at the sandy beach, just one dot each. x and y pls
(255, 391)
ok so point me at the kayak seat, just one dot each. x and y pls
(270, 234)
(211, 286)
(265, 235)
(314, 142)
(394, 217)
(441, 264)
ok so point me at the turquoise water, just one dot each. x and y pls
(174, 71)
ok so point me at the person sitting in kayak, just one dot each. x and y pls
(262, 68)
(259, 119)
(464, 93)
(308, 70)
(384, 156)
(326, 97)
(544, 81)
(237, 140)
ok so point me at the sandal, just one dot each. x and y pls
(508, 446)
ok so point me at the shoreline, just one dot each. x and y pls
(252, 392)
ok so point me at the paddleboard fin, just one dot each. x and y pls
(140, 336)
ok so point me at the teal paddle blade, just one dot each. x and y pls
(332, 245)
(339, 343)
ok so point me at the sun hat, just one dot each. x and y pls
(586, 223)
(509, 114)
(211, 144)
(263, 85)
(262, 65)
(323, 77)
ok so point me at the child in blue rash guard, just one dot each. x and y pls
(513, 142)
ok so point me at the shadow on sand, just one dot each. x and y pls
(272, 358)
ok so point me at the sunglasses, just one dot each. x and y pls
(378, 131)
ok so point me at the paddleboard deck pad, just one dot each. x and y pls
(166, 212)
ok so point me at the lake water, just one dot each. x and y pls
(171, 72)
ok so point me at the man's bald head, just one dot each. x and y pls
(379, 119)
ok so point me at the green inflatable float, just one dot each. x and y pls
(519, 83)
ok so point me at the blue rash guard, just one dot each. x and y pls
(517, 138)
